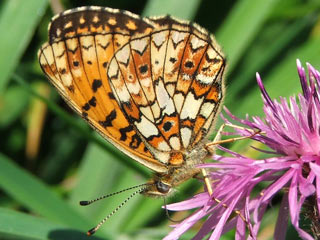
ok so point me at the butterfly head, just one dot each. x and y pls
(158, 187)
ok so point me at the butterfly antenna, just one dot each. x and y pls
(85, 203)
(142, 189)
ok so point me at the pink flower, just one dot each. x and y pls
(291, 129)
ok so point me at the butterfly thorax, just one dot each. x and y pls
(163, 184)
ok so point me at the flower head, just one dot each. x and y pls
(291, 129)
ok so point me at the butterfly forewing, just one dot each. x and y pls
(151, 86)
(76, 60)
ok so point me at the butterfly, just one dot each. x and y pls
(151, 86)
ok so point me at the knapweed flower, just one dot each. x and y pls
(291, 129)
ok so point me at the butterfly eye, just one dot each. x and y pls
(162, 187)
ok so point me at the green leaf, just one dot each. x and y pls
(36, 196)
(241, 26)
(101, 174)
(17, 225)
(256, 61)
(283, 79)
(18, 20)
(12, 103)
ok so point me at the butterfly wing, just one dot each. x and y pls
(193, 77)
(169, 84)
(151, 86)
(81, 44)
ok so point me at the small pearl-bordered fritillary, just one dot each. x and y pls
(150, 86)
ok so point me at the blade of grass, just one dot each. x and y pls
(283, 80)
(257, 62)
(97, 175)
(100, 174)
(17, 225)
(63, 153)
(18, 21)
(241, 26)
(36, 196)
(12, 103)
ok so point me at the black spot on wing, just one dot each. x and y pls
(124, 132)
(188, 64)
(172, 60)
(86, 107)
(111, 95)
(143, 69)
(93, 101)
(109, 118)
(71, 88)
(167, 126)
(96, 84)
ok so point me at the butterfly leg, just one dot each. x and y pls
(217, 140)
(207, 181)
(211, 149)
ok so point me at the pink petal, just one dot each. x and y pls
(218, 230)
(241, 229)
(293, 202)
(275, 187)
(315, 168)
(197, 201)
(212, 222)
(185, 225)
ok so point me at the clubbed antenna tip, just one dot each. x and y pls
(91, 231)
(84, 203)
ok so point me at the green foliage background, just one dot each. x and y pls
(40, 190)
